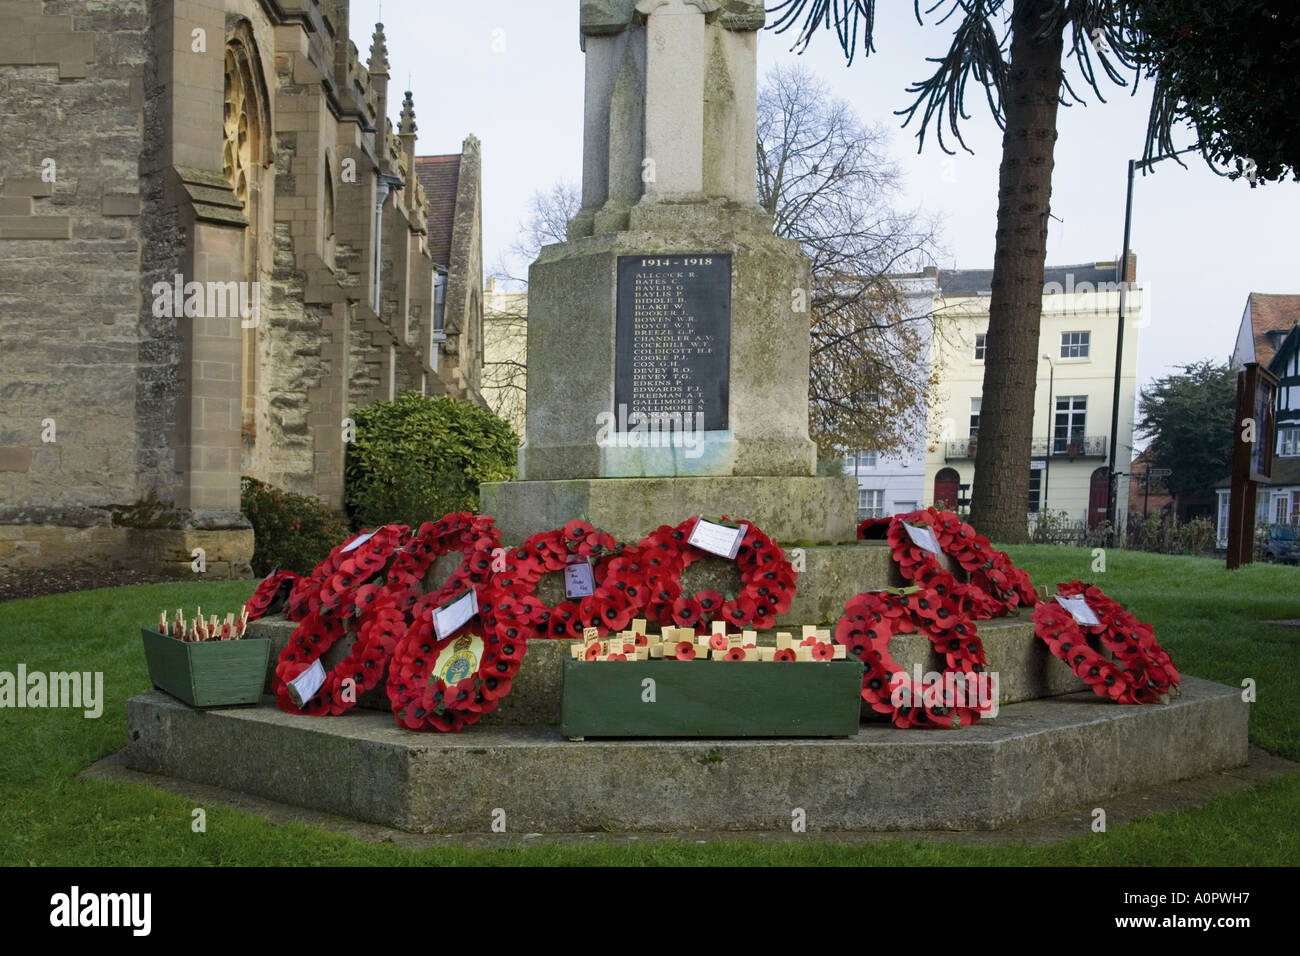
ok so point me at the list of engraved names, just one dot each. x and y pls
(673, 337)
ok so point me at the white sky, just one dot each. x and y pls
(1203, 243)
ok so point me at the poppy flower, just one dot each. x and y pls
(873, 528)
(365, 597)
(494, 687)
(459, 695)
(709, 601)
(333, 592)
(823, 651)
(784, 600)
(512, 650)
(946, 522)
(450, 722)
(856, 644)
(945, 615)
(735, 654)
(739, 612)
(875, 685)
(603, 541)
(718, 642)
(368, 561)
(685, 651)
(666, 593)
(686, 612)
(785, 654)
(625, 564)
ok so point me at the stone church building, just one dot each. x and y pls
(213, 247)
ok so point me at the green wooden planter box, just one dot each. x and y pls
(711, 699)
(210, 673)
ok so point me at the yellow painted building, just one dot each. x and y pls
(1072, 400)
(505, 351)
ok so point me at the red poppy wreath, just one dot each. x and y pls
(767, 581)
(996, 585)
(271, 595)
(305, 597)
(474, 537)
(303, 591)
(445, 685)
(870, 622)
(616, 598)
(1141, 670)
(351, 597)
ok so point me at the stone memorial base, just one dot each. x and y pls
(1036, 758)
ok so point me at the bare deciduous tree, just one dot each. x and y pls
(827, 181)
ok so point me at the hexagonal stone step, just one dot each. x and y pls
(1035, 758)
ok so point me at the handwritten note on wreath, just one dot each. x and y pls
(579, 581)
(717, 539)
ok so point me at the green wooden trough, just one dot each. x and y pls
(207, 673)
(666, 698)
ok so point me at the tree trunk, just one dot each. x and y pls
(1000, 497)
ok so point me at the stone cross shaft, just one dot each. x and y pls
(671, 105)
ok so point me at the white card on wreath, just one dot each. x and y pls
(923, 537)
(304, 687)
(359, 540)
(717, 538)
(1079, 610)
(579, 581)
(456, 614)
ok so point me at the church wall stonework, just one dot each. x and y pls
(70, 242)
(224, 142)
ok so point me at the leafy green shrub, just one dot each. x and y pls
(291, 532)
(415, 458)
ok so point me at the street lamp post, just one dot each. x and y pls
(1113, 482)
(1051, 417)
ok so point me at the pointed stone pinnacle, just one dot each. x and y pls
(378, 52)
(407, 125)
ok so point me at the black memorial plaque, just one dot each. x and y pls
(673, 338)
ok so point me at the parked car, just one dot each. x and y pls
(1282, 545)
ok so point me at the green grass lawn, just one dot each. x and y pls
(1208, 618)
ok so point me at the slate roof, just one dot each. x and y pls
(440, 177)
(980, 281)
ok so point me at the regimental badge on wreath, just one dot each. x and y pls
(460, 660)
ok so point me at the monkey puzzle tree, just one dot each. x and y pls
(1228, 70)
(1019, 71)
